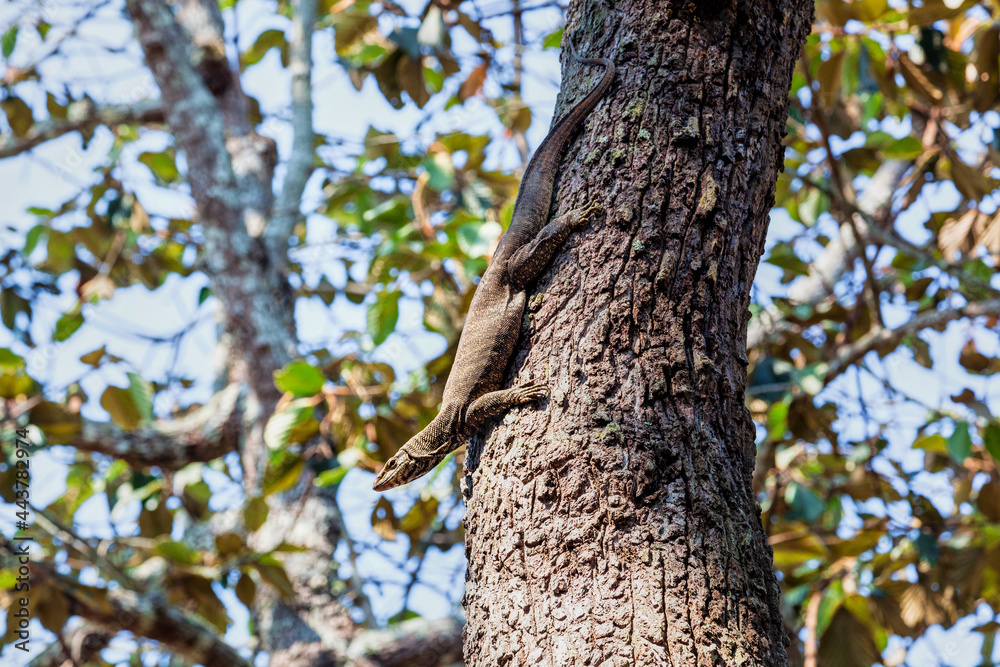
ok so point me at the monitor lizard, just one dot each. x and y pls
(472, 394)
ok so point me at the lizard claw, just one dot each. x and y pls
(529, 392)
(590, 210)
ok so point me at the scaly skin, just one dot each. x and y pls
(472, 394)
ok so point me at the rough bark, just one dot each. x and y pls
(616, 524)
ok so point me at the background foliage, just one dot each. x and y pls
(871, 374)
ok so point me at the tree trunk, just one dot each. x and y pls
(615, 524)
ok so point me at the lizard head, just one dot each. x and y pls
(400, 469)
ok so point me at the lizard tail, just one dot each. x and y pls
(578, 58)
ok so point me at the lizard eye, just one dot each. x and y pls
(391, 464)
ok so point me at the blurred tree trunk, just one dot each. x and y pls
(246, 229)
(616, 525)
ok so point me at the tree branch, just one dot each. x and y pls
(415, 642)
(192, 111)
(884, 337)
(83, 645)
(300, 162)
(230, 176)
(890, 238)
(205, 434)
(146, 111)
(144, 615)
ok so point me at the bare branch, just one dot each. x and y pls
(51, 525)
(890, 238)
(147, 111)
(890, 338)
(300, 162)
(205, 434)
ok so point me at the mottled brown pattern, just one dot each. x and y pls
(617, 526)
(472, 394)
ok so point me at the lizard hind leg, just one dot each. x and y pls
(530, 260)
(497, 402)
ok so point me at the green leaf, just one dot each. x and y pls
(440, 170)
(930, 550)
(255, 513)
(331, 477)
(246, 589)
(142, 396)
(281, 424)
(991, 440)
(273, 572)
(906, 148)
(783, 256)
(812, 205)
(267, 40)
(177, 552)
(162, 165)
(228, 544)
(9, 41)
(806, 504)
(553, 40)
(67, 325)
(284, 478)
(960, 443)
(932, 443)
(383, 313)
(299, 378)
(18, 115)
(32, 238)
(121, 406)
(11, 303)
(777, 419)
(59, 424)
(10, 360)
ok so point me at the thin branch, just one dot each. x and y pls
(812, 636)
(300, 163)
(147, 111)
(409, 643)
(52, 526)
(192, 111)
(826, 269)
